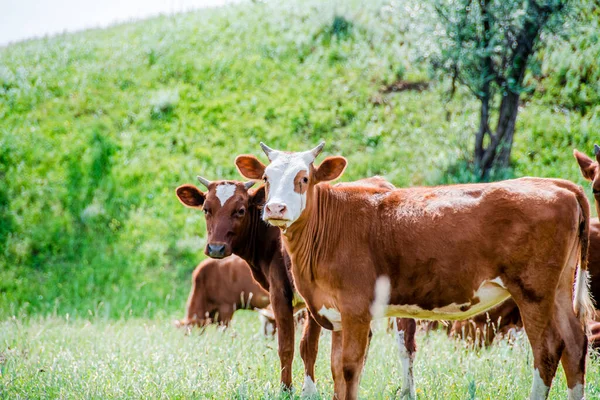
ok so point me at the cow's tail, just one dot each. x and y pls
(583, 304)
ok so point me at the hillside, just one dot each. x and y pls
(98, 128)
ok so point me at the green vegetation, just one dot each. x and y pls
(150, 359)
(98, 128)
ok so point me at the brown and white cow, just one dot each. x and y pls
(246, 235)
(447, 252)
(483, 328)
(219, 288)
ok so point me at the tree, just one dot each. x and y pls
(486, 46)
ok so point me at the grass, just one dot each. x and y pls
(139, 358)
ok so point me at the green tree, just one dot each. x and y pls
(486, 45)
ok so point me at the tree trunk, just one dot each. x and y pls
(487, 77)
(509, 109)
(497, 154)
(484, 118)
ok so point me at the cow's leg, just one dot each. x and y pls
(284, 319)
(309, 348)
(405, 330)
(355, 332)
(546, 343)
(574, 355)
(572, 332)
(337, 371)
(225, 315)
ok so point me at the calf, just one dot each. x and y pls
(233, 223)
(448, 252)
(219, 288)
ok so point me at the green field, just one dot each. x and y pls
(98, 128)
(139, 358)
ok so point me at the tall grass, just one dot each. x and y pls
(105, 359)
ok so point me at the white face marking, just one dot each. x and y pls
(332, 316)
(408, 383)
(309, 388)
(281, 174)
(576, 393)
(489, 295)
(382, 296)
(539, 391)
(224, 192)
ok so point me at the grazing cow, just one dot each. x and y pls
(219, 288)
(448, 252)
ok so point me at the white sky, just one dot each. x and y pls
(26, 19)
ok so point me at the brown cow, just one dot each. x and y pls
(448, 252)
(591, 171)
(234, 225)
(505, 316)
(219, 288)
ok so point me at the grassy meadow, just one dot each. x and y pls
(139, 358)
(98, 128)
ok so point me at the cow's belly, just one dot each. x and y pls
(489, 294)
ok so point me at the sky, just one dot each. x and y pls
(26, 19)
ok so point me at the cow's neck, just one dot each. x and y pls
(311, 238)
(256, 236)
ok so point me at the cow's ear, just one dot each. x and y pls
(190, 196)
(257, 198)
(249, 166)
(331, 168)
(586, 164)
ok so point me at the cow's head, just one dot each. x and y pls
(227, 206)
(590, 170)
(288, 179)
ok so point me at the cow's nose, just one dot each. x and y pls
(215, 250)
(276, 209)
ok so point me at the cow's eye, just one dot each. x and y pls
(264, 179)
(241, 212)
(206, 211)
(305, 180)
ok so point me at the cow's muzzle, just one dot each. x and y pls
(275, 211)
(216, 250)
